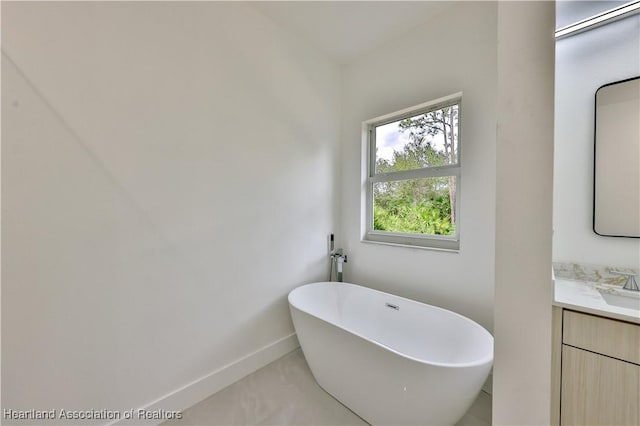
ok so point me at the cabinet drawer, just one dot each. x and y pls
(609, 337)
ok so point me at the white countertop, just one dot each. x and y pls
(586, 297)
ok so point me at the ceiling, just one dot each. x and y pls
(571, 11)
(347, 29)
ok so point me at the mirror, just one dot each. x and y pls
(616, 200)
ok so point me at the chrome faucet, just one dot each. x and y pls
(338, 257)
(631, 283)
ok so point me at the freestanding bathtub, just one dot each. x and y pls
(391, 360)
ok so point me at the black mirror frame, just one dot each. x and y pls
(595, 113)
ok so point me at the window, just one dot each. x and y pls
(412, 162)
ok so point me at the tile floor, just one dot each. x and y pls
(285, 393)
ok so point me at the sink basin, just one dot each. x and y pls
(627, 300)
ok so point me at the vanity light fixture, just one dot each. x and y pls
(611, 15)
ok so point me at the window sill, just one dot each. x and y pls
(410, 246)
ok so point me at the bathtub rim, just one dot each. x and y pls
(476, 363)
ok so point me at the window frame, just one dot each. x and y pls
(370, 177)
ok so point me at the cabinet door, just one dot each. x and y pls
(598, 390)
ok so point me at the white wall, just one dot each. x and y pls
(455, 51)
(524, 186)
(584, 62)
(168, 176)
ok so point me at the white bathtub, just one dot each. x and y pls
(414, 365)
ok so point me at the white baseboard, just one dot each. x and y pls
(199, 389)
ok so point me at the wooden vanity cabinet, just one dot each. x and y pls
(596, 365)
